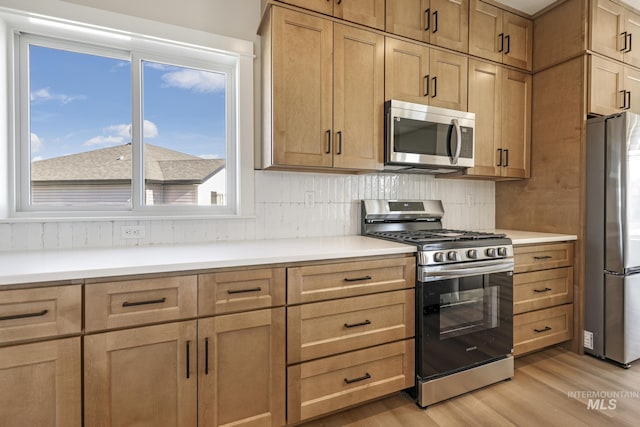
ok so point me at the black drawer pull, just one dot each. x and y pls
(355, 380)
(542, 257)
(188, 357)
(243, 291)
(25, 315)
(546, 328)
(152, 301)
(542, 290)
(357, 279)
(353, 325)
(206, 356)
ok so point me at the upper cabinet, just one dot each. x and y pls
(612, 31)
(500, 36)
(613, 87)
(443, 23)
(369, 13)
(324, 98)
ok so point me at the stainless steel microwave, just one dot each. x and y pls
(422, 138)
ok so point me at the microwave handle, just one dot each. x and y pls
(456, 125)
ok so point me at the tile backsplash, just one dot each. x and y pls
(287, 204)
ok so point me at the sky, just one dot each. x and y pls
(82, 102)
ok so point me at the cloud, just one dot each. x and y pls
(36, 143)
(198, 81)
(36, 158)
(210, 156)
(121, 134)
(44, 95)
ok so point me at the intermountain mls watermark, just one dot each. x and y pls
(603, 399)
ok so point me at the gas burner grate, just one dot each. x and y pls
(442, 235)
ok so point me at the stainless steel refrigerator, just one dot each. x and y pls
(612, 245)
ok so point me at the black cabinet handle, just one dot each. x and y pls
(242, 291)
(188, 342)
(427, 19)
(630, 40)
(426, 85)
(624, 35)
(540, 257)
(25, 315)
(206, 356)
(435, 22)
(499, 157)
(538, 291)
(624, 99)
(354, 325)
(501, 36)
(546, 328)
(366, 376)
(152, 301)
(339, 149)
(435, 87)
(357, 279)
(328, 141)
(627, 100)
(508, 39)
(506, 158)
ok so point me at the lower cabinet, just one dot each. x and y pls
(40, 384)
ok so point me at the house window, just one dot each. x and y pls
(127, 127)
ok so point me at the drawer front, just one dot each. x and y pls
(141, 301)
(41, 312)
(332, 383)
(542, 257)
(232, 291)
(340, 280)
(542, 289)
(325, 328)
(542, 328)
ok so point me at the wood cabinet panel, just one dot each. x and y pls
(366, 12)
(40, 312)
(542, 289)
(230, 291)
(406, 71)
(41, 384)
(339, 280)
(450, 24)
(541, 328)
(632, 86)
(408, 18)
(632, 27)
(241, 367)
(325, 385)
(321, 6)
(140, 301)
(449, 73)
(606, 82)
(542, 257)
(607, 22)
(157, 362)
(485, 27)
(518, 42)
(516, 124)
(331, 327)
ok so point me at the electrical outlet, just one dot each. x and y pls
(132, 232)
(309, 199)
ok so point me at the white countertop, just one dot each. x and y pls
(44, 266)
(530, 237)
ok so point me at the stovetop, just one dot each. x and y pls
(434, 236)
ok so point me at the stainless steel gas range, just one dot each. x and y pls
(464, 297)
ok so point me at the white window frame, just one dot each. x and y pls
(233, 57)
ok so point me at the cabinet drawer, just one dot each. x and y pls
(41, 312)
(232, 291)
(339, 280)
(332, 383)
(542, 289)
(542, 328)
(542, 257)
(330, 327)
(141, 301)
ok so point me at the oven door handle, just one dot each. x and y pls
(429, 274)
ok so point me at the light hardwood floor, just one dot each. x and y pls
(542, 393)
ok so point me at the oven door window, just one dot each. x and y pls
(468, 311)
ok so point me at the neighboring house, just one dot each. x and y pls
(103, 177)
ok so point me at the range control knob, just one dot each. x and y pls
(472, 253)
(438, 257)
(453, 256)
(502, 251)
(491, 252)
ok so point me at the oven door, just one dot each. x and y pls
(464, 316)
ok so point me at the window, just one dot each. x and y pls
(133, 127)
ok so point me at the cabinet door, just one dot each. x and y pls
(448, 80)
(41, 384)
(143, 376)
(406, 71)
(632, 26)
(632, 85)
(485, 30)
(606, 26)
(302, 84)
(450, 24)
(358, 109)
(485, 100)
(370, 12)
(516, 124)
(518, 32)
(606, 94)
(322, 6)
(408, 18)
(242, 369)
